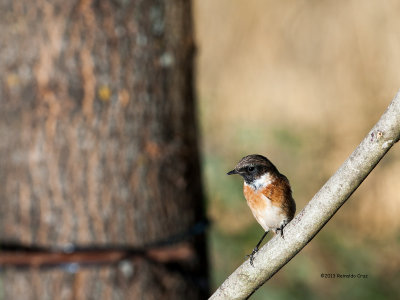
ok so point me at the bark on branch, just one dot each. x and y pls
(246, 279)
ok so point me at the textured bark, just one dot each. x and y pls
(245, 280)
(98, 141)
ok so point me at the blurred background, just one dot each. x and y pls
(301, 82)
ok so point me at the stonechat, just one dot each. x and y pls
(268, 195)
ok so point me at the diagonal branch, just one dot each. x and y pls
(301, 230)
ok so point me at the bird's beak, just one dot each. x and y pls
(232, 172)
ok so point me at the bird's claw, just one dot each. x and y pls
(251, 256)
(281, 230)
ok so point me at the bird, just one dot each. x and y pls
(268, 194)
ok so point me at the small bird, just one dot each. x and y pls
(268, 194)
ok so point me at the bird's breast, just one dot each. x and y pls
(253, 197)
(265, 207)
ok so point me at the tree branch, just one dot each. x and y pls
(278, 251)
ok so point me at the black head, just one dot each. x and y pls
(252, 167)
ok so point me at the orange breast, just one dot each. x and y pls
(275, 195)
(254, 199)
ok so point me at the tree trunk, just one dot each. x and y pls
(98, 147)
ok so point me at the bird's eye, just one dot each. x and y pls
(251, 169)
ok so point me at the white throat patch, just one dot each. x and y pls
(261, 182)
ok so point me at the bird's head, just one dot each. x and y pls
(253, 167)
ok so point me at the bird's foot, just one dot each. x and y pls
(281, 229)
(251, 256)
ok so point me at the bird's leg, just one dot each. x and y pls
(255, 250)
